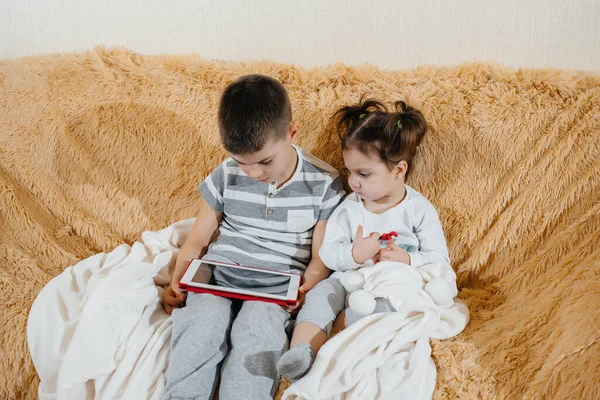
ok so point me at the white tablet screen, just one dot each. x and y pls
(250, 279)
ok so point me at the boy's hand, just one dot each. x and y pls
(173, 298)
(365, 248)
(394, 253)
(305, 287)
(296, 307)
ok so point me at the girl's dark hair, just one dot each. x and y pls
(370, 128)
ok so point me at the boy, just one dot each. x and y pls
(270, 202)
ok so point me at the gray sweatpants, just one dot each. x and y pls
(240, 342)
(210, 335)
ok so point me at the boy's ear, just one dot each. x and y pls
(293, 129)
(401, 169)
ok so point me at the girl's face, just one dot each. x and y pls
(370, 177)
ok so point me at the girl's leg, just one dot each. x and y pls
(313, 325)
(307, 332)
(340, 322)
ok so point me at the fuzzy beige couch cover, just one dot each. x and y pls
(97, 147)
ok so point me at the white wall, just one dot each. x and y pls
(392, 34)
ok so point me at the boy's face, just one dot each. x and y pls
(275, 162)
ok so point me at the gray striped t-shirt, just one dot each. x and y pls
(267, 227)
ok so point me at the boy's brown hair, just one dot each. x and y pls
(252, 110)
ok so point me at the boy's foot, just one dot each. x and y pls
(296, 362)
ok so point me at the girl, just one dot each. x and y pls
(382, 220)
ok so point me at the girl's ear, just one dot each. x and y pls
(401, 169)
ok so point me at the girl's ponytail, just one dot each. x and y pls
(409, 128)
(349, 116)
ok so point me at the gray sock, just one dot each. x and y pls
(296, 362)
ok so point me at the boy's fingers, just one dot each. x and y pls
(173, 301)
(179, 293)
(304, 288)
(290, 309)
(169, 301)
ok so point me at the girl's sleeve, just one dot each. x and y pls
(432, 243)
(336, 251)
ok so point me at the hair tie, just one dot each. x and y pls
(399, 124)
(361, 116)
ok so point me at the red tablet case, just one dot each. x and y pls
(216, 292)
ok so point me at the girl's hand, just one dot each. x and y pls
(365, 248)
(394, 253)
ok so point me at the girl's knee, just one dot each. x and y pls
(327, 294)
(329, 285)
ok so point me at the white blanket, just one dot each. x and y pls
(388, 355)
(98, 330)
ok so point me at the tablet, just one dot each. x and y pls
(198, 278)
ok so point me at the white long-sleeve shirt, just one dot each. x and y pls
(414, 220)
